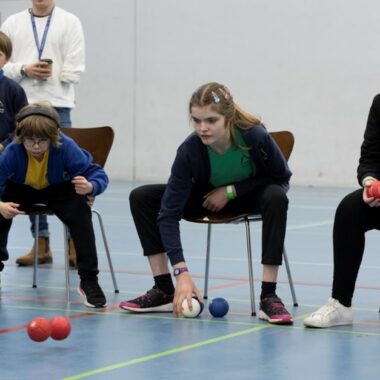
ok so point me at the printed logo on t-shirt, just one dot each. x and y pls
(2, 107)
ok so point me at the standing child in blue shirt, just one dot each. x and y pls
(12, 95)
(42, 165)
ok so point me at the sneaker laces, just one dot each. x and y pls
(276, 306)
(147, 296)
(92, 289)
(331, 305)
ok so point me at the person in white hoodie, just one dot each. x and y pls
(48, 58)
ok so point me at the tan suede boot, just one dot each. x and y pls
(72, 254)
(44, 254)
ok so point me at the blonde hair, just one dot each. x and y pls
(221, 101)
(38, 120)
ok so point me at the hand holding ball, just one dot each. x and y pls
(373, 191)
(197, 308)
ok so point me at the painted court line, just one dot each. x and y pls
(180, 349)
(159, 355)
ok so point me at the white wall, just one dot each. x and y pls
(309, 66)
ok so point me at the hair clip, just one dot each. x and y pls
(215, 97)
(225, 93)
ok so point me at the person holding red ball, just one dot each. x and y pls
(356, 214)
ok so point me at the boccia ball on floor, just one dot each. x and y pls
(60, 328)
(218, 307)
(195, 312)
(39, 329)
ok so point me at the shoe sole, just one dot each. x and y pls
(40, 261)
(316, 326)
(168, 308)
(83, 295)
(265, 317)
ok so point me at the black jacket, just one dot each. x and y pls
(369, 162)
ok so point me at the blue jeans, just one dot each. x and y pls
(43, 227)
(64, 116)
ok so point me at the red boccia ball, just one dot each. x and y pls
(374, 189)
(39, 329)
(60, 328)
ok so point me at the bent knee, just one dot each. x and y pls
(275, 196)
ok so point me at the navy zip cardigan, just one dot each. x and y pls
(191, 167)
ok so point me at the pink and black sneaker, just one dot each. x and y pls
(153, 301)
(273, 310)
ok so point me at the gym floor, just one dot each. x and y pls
(114, 344)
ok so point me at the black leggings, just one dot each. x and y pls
(353, 219)
(69, 207)
(271, 202)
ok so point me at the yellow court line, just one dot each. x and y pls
(172, 351)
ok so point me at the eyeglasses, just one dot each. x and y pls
(30, 142)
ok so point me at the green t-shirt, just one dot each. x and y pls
(232, 166)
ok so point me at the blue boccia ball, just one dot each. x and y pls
(218, 307)
(202, 307)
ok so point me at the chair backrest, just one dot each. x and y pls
(285, 141)
(98, 141)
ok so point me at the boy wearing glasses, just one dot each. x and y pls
(42, 165)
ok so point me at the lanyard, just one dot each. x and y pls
(39, 47)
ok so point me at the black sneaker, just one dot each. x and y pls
(154, 300)
(92, 293)
(273, 310)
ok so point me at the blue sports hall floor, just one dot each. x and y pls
(113, 344)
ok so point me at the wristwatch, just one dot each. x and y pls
(22, 71)
(178, 271)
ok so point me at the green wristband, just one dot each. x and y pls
(230, 193)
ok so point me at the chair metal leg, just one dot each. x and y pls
(66, 257)
(207, 261)
(36, 233)
(290, 279)
(250, 267)
(107, 249)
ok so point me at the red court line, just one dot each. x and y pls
(244, 280)
(366, 323)
(219, 277)
(74, 316)
(12, 329)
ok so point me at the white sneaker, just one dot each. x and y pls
(331, 314)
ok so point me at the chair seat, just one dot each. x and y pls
(215, 217)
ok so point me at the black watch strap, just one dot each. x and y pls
(22, 71)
